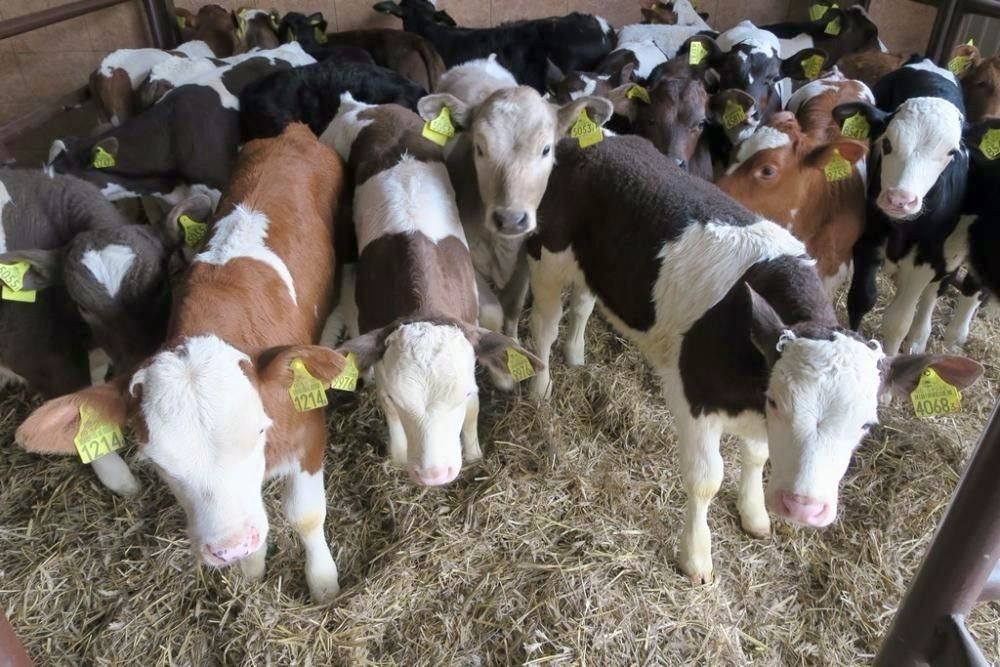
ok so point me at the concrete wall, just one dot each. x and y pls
(38, 68)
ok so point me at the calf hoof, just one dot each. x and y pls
(541, 387)
(323, 584)
(472, 453)
(885, 400)
(254, 565)
(115, 475)
(757, 528)
(574, 355)
(698, 569)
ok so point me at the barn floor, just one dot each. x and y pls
(557, 549)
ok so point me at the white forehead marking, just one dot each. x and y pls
(688, 16)
(241, 235)
(109, 265)
(344, 129)
(427, 363)
(646, 52)
(812, 89)
(589, 85)
(763, 139)
(4, 200)
(114, 192)
(760, 41)
(474, 81)
(929, 66)
(412, 196)
(927, 123)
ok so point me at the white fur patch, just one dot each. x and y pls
(745, 32)
(668, 38)
(137, 63)
(789, 47)
(764, 138)
(242, 235)
(589, 85)
(109, 266)
(195, 49)
(5, 199)
(114, 192)
(646, 52)
(344, 129)
(929, 66)
(474, 81)
(813, 89)
(412, 196)
(605, 26)
(55, 150)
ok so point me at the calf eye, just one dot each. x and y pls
(771, 404)
(479, 150)
(546, 151)
(768, 172)
(886, 146)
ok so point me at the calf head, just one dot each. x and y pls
(307, 30)
(425, 372)
(780, 170)
(912, 146)
(512, 134)
(217, 28)
(566, 87)
(659, 13)
(106, 163)
(822, 399)
(980, 82)
(256, 29)
(855, 32)
(203, 414)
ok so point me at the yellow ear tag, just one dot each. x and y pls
(637, 92)
(519, 366)
(990, 144)
(971, 42)
(733, 115)
(102, 159)
(319, 35)
(838, 168)
(833, 27)
(856, 127)
(696, 52)
(275, 21)
(586, 131)
(959, 64)
(439, 129)
(816, 12)
(812, 65)
(182, 22)
(241, 25)
(307, 392)
(194, 231)
(96, 437)
(933, 396)
(348, 378)
(12, 277)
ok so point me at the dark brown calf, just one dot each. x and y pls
(407, 53)
(869, 66)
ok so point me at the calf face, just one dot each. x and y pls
(513, 133)
(980, 83)
(566, 87)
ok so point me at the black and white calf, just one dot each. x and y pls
(917, 180)
(732, 316)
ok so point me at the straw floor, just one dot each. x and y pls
(557, 549)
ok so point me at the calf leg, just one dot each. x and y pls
(971, 298)
(513, 296)
(920, 330)
(701, 471)
(254, 565)
(113, 472)
(345, 313)
(547, 282)
(581, 305)
(753, 510)
(491, 317)
(470, 432)
(863, 293)
(911, 281)
(305, 507)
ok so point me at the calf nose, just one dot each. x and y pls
(901, 199)
(804, 510)
(232, 549)
(436, 475)
(509, 221)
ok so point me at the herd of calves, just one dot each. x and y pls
(327, 221)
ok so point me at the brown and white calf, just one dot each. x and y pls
(415, 291)
(228, 33)
(731, 315)
(781, 173)
(980, 79)
(499, 166)
(212, 409)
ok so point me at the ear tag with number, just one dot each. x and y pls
(811, 66)
(959, 64)
(519, 365)
(833, 27)
(348, 378)
(194, 231)
(816, 12)
(12, 277)
(102, 159)
(586, 131)
(838, 168)
(856, 127)
(696, 52)
(637, 92)
(440, 128)
(990, 143)
(307, 392)
(96, 437)
(933, 396)
(733, 115)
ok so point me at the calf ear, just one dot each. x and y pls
(766, 327)
(45, 267)
(620, 102)
(712, 52)
(491, 350)
(197, 207)
(720, 103)
(109, 145)
(806, 65)
(430, 106)
(598, 109)
(322, 363)
(388, 7)
(876, 118)
(967, 51)
(850, 150)
(973, 136)
(51, 428)
(367, 348)
(901, 374)
(553, 75)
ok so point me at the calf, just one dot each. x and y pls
(311, 95)
(228, 33)
(980, 78)
(838, 32)
(573, 42)
(114, 84)
(674, 12)
(187, 142)
(916, 187)
(869, 66)
(212, 409)
(734, 321)
(418, 322)
(45, 343)
(499, 165)
(668, 39)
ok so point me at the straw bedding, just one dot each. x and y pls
(557, 549)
